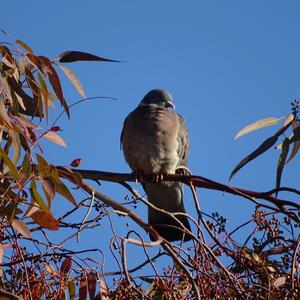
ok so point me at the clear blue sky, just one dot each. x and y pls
(227, 64)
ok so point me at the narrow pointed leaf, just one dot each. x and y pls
(92, 281)
(66, 266)
(42, 163)
(257, 125)
(45, 219)
(64, 191)
(281, 161)
(288, 119)
(71, 56)
(71, 289)
(24, 45)
(295, 140)
(55, 82)
(49, 189)
(17, 88)
(74, 80)
(44, 92)
(26, 166)
(7, 54)
(83, 288)
(37, 197)
(20, 101)
(267, 144)
(12, 168)
(55, 138)
(16, 143)
(33, 59)
(21, 227)
(3, 114)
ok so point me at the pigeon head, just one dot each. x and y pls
(159, 98)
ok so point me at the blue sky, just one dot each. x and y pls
(227, 64)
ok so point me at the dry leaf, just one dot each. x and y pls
(257, 125)
(45, 219)
(55, 138)
(74, 80)
(21, 227)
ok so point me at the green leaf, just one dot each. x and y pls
(10, 164)
(257, 125)
(72, 289)
(36, 196)
(42, 163)
(26, 165)
(61, 188)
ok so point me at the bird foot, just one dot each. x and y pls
(158, 178)
(182, 170)
(137, 175)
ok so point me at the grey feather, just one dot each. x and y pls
(155, 141)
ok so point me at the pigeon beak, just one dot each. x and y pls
(170, 105)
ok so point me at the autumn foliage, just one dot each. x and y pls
(212, 266)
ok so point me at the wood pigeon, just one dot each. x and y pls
(155, 141)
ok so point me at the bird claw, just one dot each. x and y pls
(138, 176)
(158, 178)
(182, 170)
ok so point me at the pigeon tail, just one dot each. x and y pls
(169, 197)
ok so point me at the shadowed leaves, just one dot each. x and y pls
(267, 144)
(282, 160)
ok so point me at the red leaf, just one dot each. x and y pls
(76, 162)
(35, 61)
(55, 82)
(55, 128)
(7, 54)
(66, 266)
(45, 219)
(83, 288)
(92, 281)
(71, 56)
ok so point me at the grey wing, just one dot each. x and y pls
(125, 127)
(183, 142)
(122, 135)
